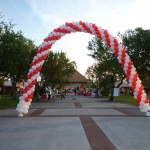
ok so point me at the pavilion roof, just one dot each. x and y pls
(77, 77)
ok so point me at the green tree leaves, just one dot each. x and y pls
(16, 52)
(57, 68)
(107, 69)
(137, 43)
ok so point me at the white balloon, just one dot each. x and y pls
(33, 68)
(41, 63)
(29, 81)
(19, 109)
(125, 68)
(127, 57)
(135, 96)
(29, 103)
(143, 95)
(119, 57)
(21, 98)
(25, 84)
(126, 65)
(30, 70)
(37, 65)
(20, 115)
(135, 93)
(39, 55)
(130, 81)
(112, 48)
(35, 57)
(29, 92)
(32, 89)
(126, 60)
(143, 109)
(25, 111)
(50, 34)
(130, 84)
(147, 114)
(33, 78)
(26, 106)
(44, 44)
(43, 53)
(22, 102)
(25, 95)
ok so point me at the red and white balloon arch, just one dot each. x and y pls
(102, 34)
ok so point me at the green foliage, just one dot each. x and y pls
(7, 102)
(127, 99)
(57, 69)
(137, 43)
(16, 54)
(107, 70)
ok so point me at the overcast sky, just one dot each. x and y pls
(37, 18)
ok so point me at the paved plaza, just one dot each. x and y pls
(75, 123)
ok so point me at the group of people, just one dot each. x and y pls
(55, 93)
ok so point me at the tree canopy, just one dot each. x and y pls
(107, 69)
(16, 53)
(137, 43)
(57, 68)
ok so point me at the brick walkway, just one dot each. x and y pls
(85, 111)
(96, 137)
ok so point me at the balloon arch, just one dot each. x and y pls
(102, 34)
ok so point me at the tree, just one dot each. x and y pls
(16, 52)
(137, 43)
(57, 69)
(91, 75)
(107, 68)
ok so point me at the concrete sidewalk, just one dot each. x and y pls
(75, 123)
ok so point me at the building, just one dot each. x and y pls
(76, 80)
(124, 88)
(7, 87)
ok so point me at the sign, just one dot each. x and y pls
(116, 91)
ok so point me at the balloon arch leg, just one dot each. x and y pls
(102, 34)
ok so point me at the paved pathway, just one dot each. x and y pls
(75, 123)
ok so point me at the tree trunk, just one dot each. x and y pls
(112, 94)
(13, 89)
(121, 82)
(112, 89)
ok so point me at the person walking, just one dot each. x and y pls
(49, 93)
(62, 94)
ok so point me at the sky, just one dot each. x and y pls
(37, 18)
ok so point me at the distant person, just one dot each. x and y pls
(75, 91)
(62, 94)
(49, 93)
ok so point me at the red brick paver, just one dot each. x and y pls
(78, 105)
(37, 112)
(128, 113)
(96, 137)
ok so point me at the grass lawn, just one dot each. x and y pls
(6, 101)
(127, 99)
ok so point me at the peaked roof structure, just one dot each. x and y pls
(77, 77)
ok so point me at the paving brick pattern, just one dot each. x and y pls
(128, 113)
(78, 105)
(78, 116)
(96, 137)
(37, 112)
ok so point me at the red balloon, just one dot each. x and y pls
(146, 101)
